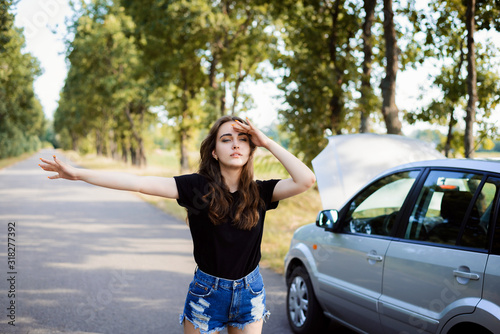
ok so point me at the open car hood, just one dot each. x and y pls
(349, 161)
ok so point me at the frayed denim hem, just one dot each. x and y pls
(264, 317)
(182, 318)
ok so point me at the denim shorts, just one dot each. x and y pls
(214, 303)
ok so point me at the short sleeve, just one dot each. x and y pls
(191, 189)
(266, 192)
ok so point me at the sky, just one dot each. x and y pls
(39, 18)
(44, 29)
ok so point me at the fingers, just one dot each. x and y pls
(242, 127)
(57, 161)
(45, 161)
(249, 123)
(239, 127)
(50, 166)
(48, 162)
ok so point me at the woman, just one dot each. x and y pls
(226, 210)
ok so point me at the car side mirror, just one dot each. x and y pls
(327, 219)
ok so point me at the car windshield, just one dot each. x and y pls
(374, 210)
(390, 196)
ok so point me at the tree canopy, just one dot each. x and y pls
(181, 64)
(22, 120)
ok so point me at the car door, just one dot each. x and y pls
(491, 288)
(350, 261)
(436, 270)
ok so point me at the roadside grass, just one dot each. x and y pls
(487, 155)
(280, 224)
(11, 161)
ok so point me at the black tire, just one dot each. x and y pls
(303, 310)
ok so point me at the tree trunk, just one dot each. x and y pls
(335, 112)
(389, 109)
(139, 155)
(133, 154)
(74, 141)
(212, 83)
(212, 80)
(447, 146)
(336, 100)
(113, 147)
(98, 143)
(124, 148)
(223, 97)
(183, 130)
(470, 116)
(183, 140)
(366, 89)
(237, 84)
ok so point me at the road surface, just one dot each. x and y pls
(94, 260)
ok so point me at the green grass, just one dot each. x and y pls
(280, 223)
(10, 161)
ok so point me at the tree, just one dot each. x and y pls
(320, 69)
(6, 21)
(367, 95)
(238, 43)
(446, 38)
(388, 85)
(22, 121)
(198, 52)
(105, 87)
(172, 37)
(470, 116)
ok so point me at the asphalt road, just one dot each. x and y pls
(94, 260)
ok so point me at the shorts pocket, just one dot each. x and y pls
(256, 287)
(200, 289)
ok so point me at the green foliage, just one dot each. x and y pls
(191, 60)
(444, 28)
(105, 98)
(22, 120)
(6, 19)
(488, 144)
(198, 54)
(488, 14)
(320, 69)
(456, 145)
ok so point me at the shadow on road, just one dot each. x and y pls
(95, 260)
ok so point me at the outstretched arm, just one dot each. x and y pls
(302, 178)
(151, 185)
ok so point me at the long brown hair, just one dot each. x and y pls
(246, 215)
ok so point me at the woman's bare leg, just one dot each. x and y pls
(251, 328)
(189, 328)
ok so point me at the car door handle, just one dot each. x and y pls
(463, 274)
(374, 257)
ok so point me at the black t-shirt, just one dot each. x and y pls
(222, 250)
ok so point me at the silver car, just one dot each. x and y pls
(417, 250)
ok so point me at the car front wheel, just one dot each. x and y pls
(304, 312)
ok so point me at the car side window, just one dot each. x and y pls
(495, 219)
(475, 233)
(374, 210)
(439, 215)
